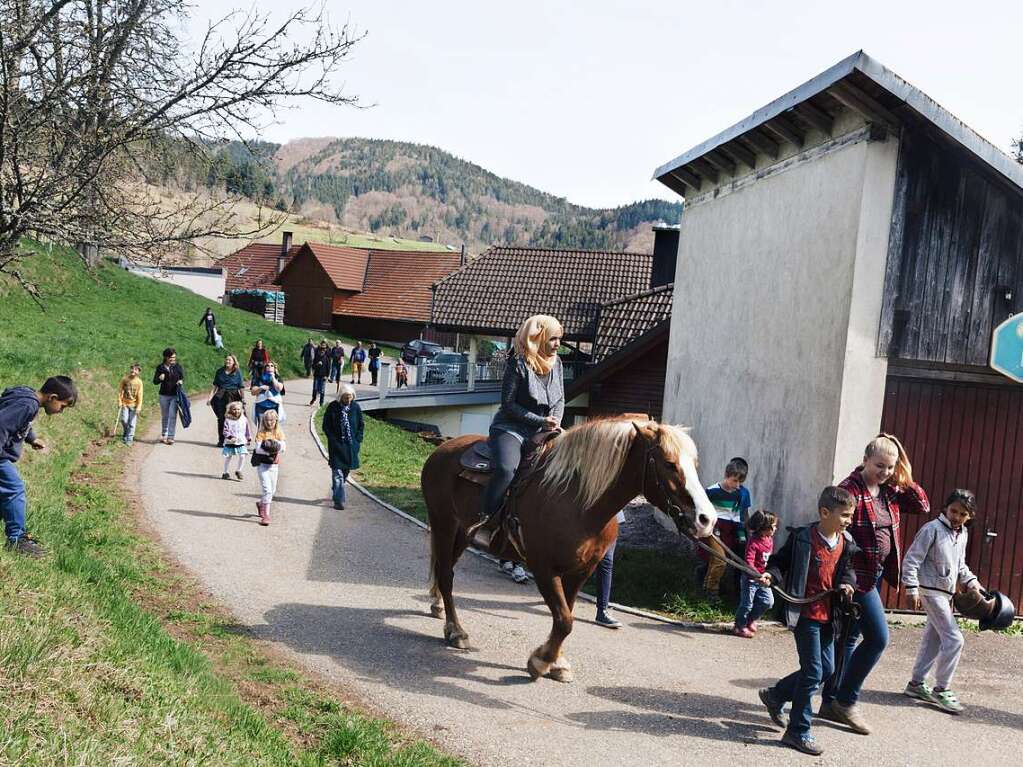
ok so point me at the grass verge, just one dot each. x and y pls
(108, 654)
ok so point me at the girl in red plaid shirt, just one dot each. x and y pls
(883, 488)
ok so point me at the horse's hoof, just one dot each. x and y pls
(536, 667)
(458, 642)
(562, 675)
(437, 611)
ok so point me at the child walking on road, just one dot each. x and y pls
(19, 405)
(236, 438)
(755, 598)
(932, 570)
(816, 559)
(270, 445)
(129, 400)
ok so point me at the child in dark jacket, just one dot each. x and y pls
(19, 405)
(816, 559)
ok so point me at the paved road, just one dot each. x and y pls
(344, 593)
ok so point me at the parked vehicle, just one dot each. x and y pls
(417, 350)
(447, 367)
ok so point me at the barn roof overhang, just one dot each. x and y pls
(858, 83)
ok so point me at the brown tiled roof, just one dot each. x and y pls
(346, 267)
(254, 266)
(494, 293)
(625, 320)
(397, 285)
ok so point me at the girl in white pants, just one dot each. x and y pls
(270, 446)
(933, 569)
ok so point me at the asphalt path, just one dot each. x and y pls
(344, 593)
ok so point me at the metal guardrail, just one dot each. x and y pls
(433, 377)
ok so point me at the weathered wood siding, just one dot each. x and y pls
(309, 293)
(956, 237)
(636, 388)
(970, 435)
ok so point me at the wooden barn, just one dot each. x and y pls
(383, 295)
(846, 253)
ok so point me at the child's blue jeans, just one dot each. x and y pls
(12, 501)
(754, 601)
(815, 643)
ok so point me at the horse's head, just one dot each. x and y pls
(670, 480)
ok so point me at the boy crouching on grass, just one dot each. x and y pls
(19, 405)
(815, 559)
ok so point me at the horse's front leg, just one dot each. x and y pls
(547, 657)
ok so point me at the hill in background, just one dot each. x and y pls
(403, 190)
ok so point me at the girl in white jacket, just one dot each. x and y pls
(932, 570)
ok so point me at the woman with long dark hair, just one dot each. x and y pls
(227, 388)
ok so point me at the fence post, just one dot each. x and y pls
(471, 372)
(384, 379)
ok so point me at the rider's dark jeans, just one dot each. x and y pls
(859, 662)
(506, 453)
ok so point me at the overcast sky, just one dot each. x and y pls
(585, 99)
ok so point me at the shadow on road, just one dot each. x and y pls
(1011, 719)
(677, 712)
(251, 518)
(374, 645)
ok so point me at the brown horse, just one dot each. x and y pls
(566, 509)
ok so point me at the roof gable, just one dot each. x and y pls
(345, 267)
(623, 321)
(498, 290)
(254, 266)
(859, 83)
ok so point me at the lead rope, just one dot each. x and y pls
(729, 557)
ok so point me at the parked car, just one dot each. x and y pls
(447, 367)
(417, 350)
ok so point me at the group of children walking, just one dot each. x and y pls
(269, 445)
(846, 555)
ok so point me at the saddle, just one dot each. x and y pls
(477, 465)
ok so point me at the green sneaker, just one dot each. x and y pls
(920, 691)
(946, 700)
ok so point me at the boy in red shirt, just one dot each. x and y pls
(814, 560)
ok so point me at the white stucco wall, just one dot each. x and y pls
(768, 359)
(205, 284)
(449, 420)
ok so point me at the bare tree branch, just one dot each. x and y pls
(97, 95)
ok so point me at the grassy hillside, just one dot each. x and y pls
(405, 190)
(108, 654)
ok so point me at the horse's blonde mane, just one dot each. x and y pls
(594, 454)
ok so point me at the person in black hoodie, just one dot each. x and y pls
(210, 321)
(168, 376)
(19, 405)
(321, 369)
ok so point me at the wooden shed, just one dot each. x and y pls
(846, 253)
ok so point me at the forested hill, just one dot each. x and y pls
(410, 190)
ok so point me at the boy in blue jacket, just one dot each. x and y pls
(18, 407)
(816, 559)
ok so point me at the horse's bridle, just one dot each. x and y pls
(729, 557)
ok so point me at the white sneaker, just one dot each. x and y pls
(506, 567)
(518, 574)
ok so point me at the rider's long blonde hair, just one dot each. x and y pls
(531, 342)
(889, 445)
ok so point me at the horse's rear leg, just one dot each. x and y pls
(547, 657)
(448, 546)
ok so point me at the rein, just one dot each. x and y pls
(729, 557)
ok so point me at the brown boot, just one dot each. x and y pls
(264, 514)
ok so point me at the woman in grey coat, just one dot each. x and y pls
(532, 400)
